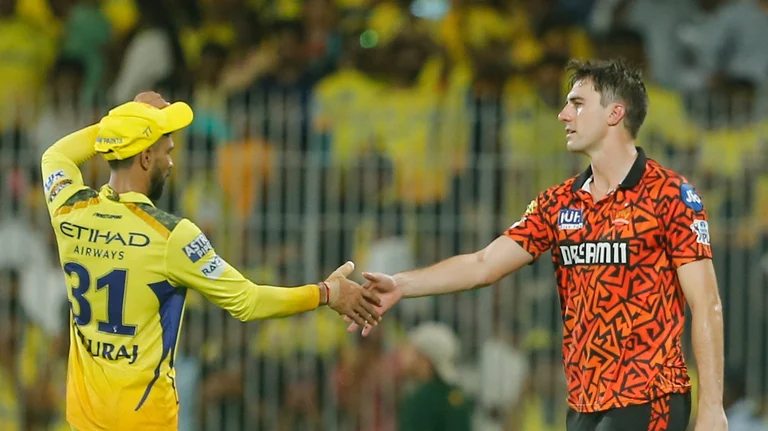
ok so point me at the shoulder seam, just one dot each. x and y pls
(81, 199)
(168, 220)
(152, 221)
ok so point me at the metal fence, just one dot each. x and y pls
(286, 193)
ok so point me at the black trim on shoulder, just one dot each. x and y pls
(166, 219)
(632, 179)
(80, 196)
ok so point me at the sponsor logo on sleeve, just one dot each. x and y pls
(528, 211)
(196, 249)
(570, 219)
(701, 229)
(691, 198)
(55, 190)
(531, 207)
(214, 268)
(53, 179)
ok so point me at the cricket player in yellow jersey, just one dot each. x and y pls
(128, 266)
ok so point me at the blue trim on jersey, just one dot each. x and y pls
(171, 306)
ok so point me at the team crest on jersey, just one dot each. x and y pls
(622, 217)
(570, 219)
(701, 229)
(196, 249)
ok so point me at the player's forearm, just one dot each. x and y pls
(272, 301)
(708, 349)
(462, 272)
(76, 147)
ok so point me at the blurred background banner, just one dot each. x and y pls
(393, 133)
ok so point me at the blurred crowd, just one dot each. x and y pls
(394, 133)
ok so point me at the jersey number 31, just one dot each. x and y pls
(114, 282)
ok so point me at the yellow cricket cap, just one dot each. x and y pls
(135, 126)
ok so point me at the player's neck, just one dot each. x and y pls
(124, 182)
(611, 164)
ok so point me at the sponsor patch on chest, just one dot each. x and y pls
(595, 253)
(570, 219)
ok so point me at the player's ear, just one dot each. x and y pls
(145, 159)
(616, 113)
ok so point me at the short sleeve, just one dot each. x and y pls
(686, 224)
(533, 232)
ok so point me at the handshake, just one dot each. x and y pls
(361, 306)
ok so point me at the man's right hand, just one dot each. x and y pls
(350, 299)
(387, 289)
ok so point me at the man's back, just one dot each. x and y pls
(126, 313)
(128, 266)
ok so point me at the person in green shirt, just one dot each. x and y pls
(435, 401)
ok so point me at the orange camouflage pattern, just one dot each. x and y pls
(615, 264)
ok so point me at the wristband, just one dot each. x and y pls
(325, 296)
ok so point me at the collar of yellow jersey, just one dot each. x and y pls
(127, 197)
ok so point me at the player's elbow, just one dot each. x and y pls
(239, 312)
(708, 303)
(483, 270)
(241, 317)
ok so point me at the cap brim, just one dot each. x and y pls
(179, 116)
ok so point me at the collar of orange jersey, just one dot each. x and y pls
(632, 179)
(127, 197)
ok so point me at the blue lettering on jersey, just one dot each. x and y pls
(691, 198)
(214, 268)
(51, 180)
(196, 249)
(570, 219)
(97, 236)
(97, 252)
(108, 351)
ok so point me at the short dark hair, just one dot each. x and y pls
(118, 164)
(615, 80)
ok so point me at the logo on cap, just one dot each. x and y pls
(109, 141)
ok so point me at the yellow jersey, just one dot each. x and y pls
(128, 266)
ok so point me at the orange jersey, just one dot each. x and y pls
(616, 266)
